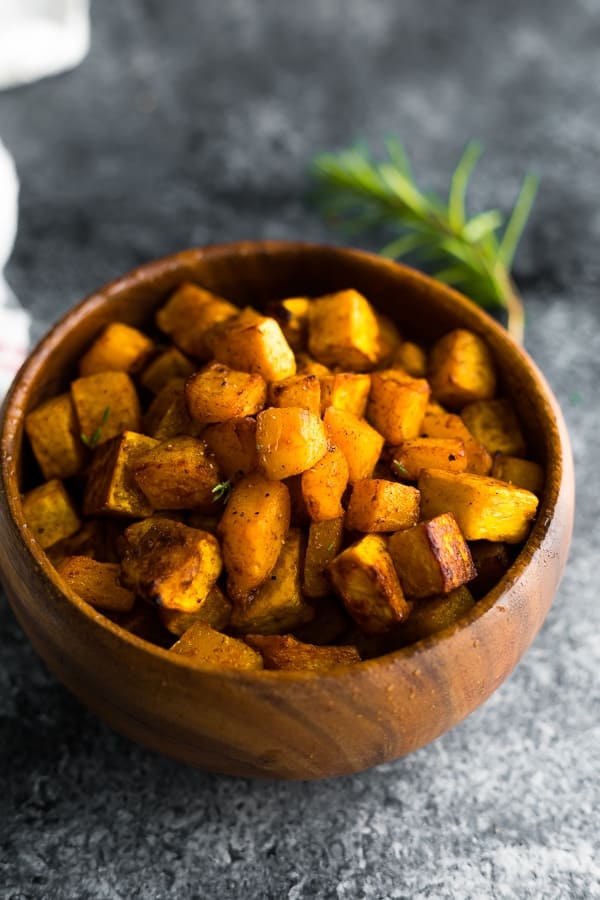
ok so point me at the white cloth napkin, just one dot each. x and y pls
(37, 38)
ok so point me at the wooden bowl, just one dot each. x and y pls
(293, 725)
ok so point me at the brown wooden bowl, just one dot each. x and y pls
(294, 725)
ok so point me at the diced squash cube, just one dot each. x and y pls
(255, 343)
(323, 486)
(170, 564)
(170, 364)
(364, 577)
(431, 557)
(53, 431)
(233, 444)
(491, 561)
(168, 416)
(440, 424)
(111, 486)
(289, 441)
(495, 425)
(397, 404)
(435, 613)
(189, 314)
(98, 583)
(524, 473)
(215, 611)
(306, 365)
(292, 316)
(106, 404)
(49, 513)
(461, 369)
(218, 393)
(278, 605)
(120, 348)
(378, 505)
(411, 358)
(252, 530)
(415, 454)
(358, 441)
(283, 651)
(343, 331)
(178, 474)
(297, 390)
(345, 390)
(205, 647)
(324, 544)
(485, 508)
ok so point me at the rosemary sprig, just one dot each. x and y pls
(221, 491)
(95, 436)
(473, 253)
(400, 468)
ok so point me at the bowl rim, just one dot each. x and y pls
(11, 437)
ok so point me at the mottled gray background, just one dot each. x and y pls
(195, 122)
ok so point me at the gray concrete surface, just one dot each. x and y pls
(192, 123)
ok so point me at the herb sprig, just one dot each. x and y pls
(95, 436)
(473, 253)
(221, 491)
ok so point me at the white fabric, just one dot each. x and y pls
(37, 38)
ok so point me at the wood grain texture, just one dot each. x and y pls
(285, 724)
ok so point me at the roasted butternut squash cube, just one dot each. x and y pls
(283, 651)
(106, 404)
(289, 441)
(491, 561)
(168, 416)
(485, 508)
(208, 648)
(411, 358)
(306, 365)
(178, 474)
(323, 486)
(53, 431)
(297, 390)
(188, 316)
(278, 605)
(292, 316)
(397, 404)
(358, 441)
(378, 505)
(412, 456)
(364, 577)
(255, 343)
(50, 513)
(435, 613)
(524, 473)
(169, 364)
(218, 393)
(432, 557)
(461, 369)
(494, 424)
(233, 444)
(324, 543)
(345, 390)
(98, 583)
(215, 611)
(441, 424)
(169, 564)
(389, 339)
(343, 331)
(252, 531)
(111, 486)
(120, 348)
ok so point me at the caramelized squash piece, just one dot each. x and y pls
(215, 611)
(323, 486)
(324, 544)
(203, 646)
(358, 441)
(111, 486)
(435, 613)
(397, 404)
(53, 431)
(233, 444)
(297, 390)
(410, 457)
(461, 369)
(106, 404)
(343, 331)
(50, 513)
(98, 583)
(170, 364)
(189, 315)
(378, 505)
(494, 424)
(345, 390)
(283, 651)
(120, 348)
(254, 343)
(218, 393)
(441, 424)
(289, 441)
(524, 473)
(178, 474)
